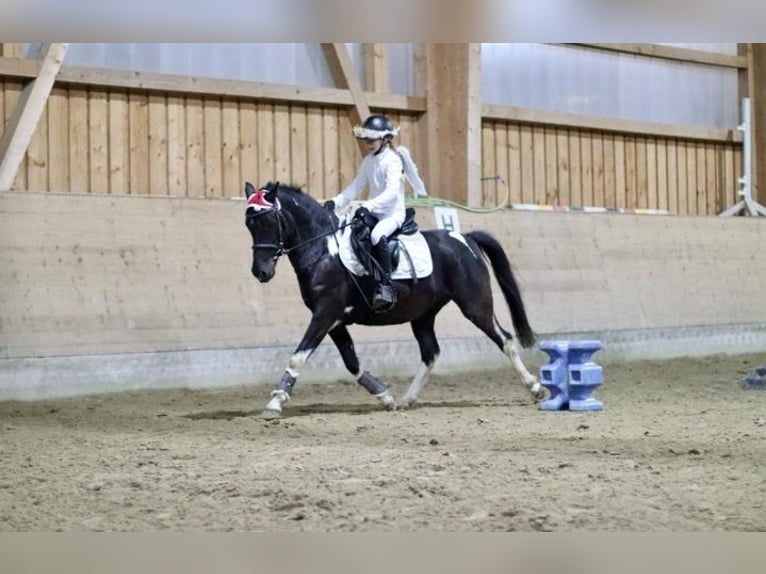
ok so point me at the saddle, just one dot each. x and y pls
(361, 243)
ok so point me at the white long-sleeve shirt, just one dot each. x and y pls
(384, 175)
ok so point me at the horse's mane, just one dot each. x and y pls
(284, 187)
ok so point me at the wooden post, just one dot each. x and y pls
(345, 77)
(757, 93)
(453, 122)
(23, 121)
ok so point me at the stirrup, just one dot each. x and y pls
(384, 299)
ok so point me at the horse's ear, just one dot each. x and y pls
(271, 193)
(249, 189)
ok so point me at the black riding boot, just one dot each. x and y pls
(384, 297)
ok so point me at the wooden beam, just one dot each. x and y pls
(23, 121)
(671, 53)
(177, 84)
(343, 73)
(453, 122)
(597, 123)
(375, 67)
(757, 93)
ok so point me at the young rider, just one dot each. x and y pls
(383, 171)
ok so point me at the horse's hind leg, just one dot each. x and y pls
(423, 328)
(342, 340)
(482, 316)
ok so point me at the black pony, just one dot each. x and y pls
(285, 221)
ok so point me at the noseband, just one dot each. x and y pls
(279, 247)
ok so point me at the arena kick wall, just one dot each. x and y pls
(105, 293)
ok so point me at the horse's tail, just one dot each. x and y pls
(502, 268)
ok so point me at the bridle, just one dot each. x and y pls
(279, 247)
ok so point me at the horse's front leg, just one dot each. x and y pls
(345, 344)
(317, 329)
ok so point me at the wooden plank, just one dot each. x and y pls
(513, 181)
(158, 144)
(597, 123)
(266, 160)
(551, 167)
(683, 181)
(79, 147)
(575, 169)
(672, 156)
(332, 183)
(599, 194)
(282, 159)
(631, 192)
(195, 147)
(315, 153)
(138, 107)
(691, 178)
(610, 175)
(662, 174)
(651, 173)
(190, 85)
(58, 140)
(702, 189)
(177, 150)
(538, 142)
(12, 50)
(37, 156)
(620, 177)
(713, 157)
(730, 188)
(642, 177)
(420, 64)
(586, 157)
(299, 146)
(488, 170)
(232, 185)
(119, 143)
(375, 57)
(212, 145)
(527, 153)
(248, 121)
(22, 122)
(502, 167)
(348, 151)
(563, 163)
(98, 125)
(688, 55)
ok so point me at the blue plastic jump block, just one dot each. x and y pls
(553, 376)
(571, 376)
(584, 376)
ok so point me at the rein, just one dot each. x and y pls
(279, 248)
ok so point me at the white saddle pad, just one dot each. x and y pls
(415, 244)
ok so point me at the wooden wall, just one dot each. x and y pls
(92, 275)
(106, 141)
(568, 166)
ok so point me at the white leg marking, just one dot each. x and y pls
(528, 379)
(278, 398)
(420, 380)
(388, 400)
(297, 361)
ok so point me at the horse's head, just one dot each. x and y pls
(264, 221)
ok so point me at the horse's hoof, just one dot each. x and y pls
(404, 403)
(270, 414)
